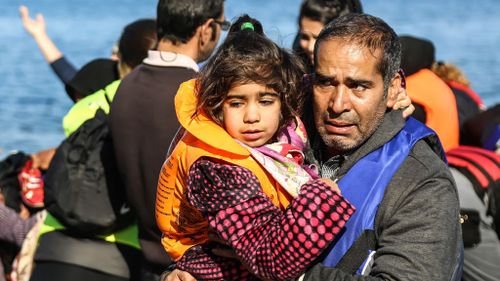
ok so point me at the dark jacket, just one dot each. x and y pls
(417, 224)
(143, 122)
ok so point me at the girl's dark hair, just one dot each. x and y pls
(136, 39)
(248, 56)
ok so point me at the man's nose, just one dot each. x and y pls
(341, 100)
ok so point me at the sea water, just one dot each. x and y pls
(33, 100)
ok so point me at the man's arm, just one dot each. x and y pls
(417, 228)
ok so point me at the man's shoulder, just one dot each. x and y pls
(428, 162)
(422, 174)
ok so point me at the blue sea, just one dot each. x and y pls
(33, 100)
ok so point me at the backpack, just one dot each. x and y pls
(83, 189)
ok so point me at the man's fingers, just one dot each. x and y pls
(178, 275)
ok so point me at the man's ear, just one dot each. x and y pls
(395, 88)
(207, 31)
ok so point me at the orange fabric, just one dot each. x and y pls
(182, 225)
(438, 101)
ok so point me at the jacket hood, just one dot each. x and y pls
(198, 124)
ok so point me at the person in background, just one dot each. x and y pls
(64, 254)
(456, 79)
(313, 16)
(20, 210)
(483, 129)
(142, 116)
(477, 174)
(469, 103)
(435, 102)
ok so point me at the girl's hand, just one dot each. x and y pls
(403, 102)
(333, 185)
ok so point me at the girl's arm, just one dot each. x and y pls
(271, 243)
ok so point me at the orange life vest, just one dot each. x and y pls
(438, 101)
(182, 225)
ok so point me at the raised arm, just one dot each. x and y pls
(36, 28)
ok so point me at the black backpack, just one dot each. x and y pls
(83, 189)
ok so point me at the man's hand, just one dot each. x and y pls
(177, 275)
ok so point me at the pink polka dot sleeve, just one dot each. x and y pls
(272, 243)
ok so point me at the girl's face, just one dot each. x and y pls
(251, 113)
(309, 31)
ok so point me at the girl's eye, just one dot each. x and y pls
(235, 104)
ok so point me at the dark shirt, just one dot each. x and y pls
(143, 123)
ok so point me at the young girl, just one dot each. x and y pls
(237, 169)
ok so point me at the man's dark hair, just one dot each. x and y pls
(369, 32)
(177, 20)
(136, 39)
(325, 11)
(248, 56)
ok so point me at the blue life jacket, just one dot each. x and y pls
(364, 185)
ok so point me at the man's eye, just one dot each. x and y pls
(324, 82)
(359, 88)
(267, 102)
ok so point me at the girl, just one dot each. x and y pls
(237, 169)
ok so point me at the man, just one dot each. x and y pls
(142, 116)
(416, 232)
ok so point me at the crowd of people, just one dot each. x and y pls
(353, 155)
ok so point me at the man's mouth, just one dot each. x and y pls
(339, 127)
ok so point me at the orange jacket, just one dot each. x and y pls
(438, 101)
(182, 225)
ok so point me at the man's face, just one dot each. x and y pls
(348, 95)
